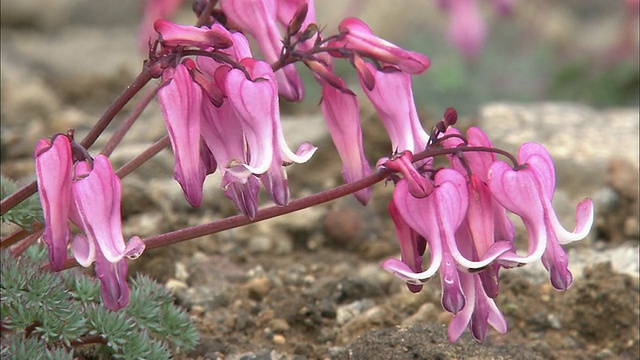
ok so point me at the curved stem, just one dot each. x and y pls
(28, 241)
(138, 83)
(142, 79)
(134, 163)
(124, 127)
(193, 232)
(17, 236)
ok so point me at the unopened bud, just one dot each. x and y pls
(450, 116)
(309, 32)
(298, 19)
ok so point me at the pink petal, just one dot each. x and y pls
(342, 116)
(181, 104)
(53, 163)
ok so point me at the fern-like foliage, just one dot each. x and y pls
(24, 214)
(49, 315)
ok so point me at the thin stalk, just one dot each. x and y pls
(193, 232)
(126, 124)
(134, 163)
(142, 79)
(16, 236)
(28, 241)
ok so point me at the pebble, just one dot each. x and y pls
(279, 325)
(279, 339)
(554, 322)
(176, 286)
(426, 313)
(260, 244)
(258, 287)
(444, 317)
(344, 313)
(181, 271)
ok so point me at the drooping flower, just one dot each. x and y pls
(356, 35)
(436, 218)
(97, 197)
(479, 311)
(181, 104)
(174, 35)
(89, 195)
(154, 10)
(259, 18)
(527, 191)
(393, 100)
(342, 116)
(467, 29)
(260, 121)
(486, 221)
(96, 207)
(54, 174)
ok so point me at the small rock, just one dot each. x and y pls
(375, 317)
(554, 322)
(260, 244)
(444, 318)
(176, 286)
(258, 287)
(344, 313)
(279, 325)
(206, 296)
(279, 339)
(425, 314)
(181, 271)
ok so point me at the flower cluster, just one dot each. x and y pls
(86, 192)
(460, 215)
(221, 105)
(221, 109)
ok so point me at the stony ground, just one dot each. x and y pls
(309, 285)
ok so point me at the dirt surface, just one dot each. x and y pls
(294, 308)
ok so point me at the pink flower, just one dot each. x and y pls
(174, 35)
(392, 98)
(467, 29)
(479, 311)
(97, 197)
(154, 10)
(91, 200)
(356, 35)
(527, 191)
(259, 18)
(181, 104)
(486, 221)
(222, 132)
(342, 115)
(113, 282)
(419, 186)
(53, 171)
(437, 218)
(260, 121)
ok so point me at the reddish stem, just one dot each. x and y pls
(28, 241)
(241, 220)
(142, 79)
(18, 235)
(126, 124)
